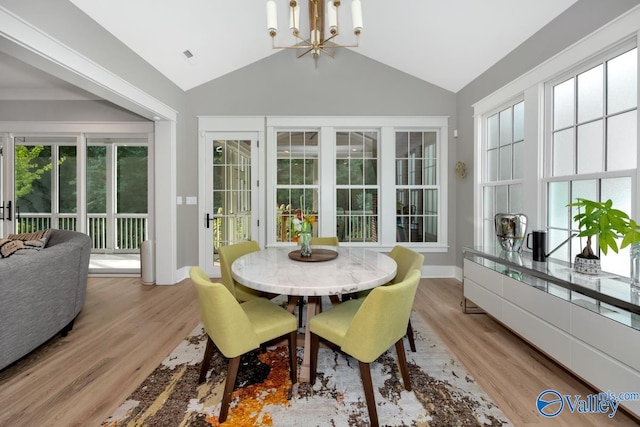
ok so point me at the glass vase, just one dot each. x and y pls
(305, 244)
(634, 272)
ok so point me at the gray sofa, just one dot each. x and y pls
(41, 293)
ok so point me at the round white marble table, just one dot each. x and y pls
(354, 269)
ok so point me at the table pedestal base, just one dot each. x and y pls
(314, 306)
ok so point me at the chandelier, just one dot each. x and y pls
(318, 40)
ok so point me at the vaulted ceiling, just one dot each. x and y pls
(444, 42)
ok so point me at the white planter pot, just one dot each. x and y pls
(587, 265)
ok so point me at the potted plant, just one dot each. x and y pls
(609, 224)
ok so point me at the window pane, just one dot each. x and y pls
(622, 82)
(502, 199)
(402, 166)
(96, 179)
(33, 178)
(555, 238)
(505, 162)
(563, 152)
(402, 145)
(370, 172)
(558, 212)
(310, 171)
(131, 167)
(516, 198)
(563, 105)
(622, 141)
(518, 122)
(590, 94)
(297, 180)
(619, 191)
(488, 198)
(492, 165)
(492, 131)
(488, 234)
(518, 164)
(430, 172)
(583, 189)
(506, 127)
(358, 206)
(590, 147)
(67, 179)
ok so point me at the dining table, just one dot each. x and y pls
(331, 271)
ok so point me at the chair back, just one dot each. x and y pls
(230, 253)
(407, 260)
(223, 317)
(324, 241)
(382, 319)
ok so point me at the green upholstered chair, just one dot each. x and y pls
(230, 253)
(237, 328)
(407, 260)
(324, 241)
(365, 328)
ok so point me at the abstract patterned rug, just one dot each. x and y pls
(443, 392)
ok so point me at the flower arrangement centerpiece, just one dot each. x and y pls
(302, 225)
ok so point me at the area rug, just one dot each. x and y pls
(443, 394)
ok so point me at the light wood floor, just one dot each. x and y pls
(126, 329)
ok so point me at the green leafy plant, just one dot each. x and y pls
(609, 224)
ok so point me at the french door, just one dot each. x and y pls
(40, 183)
(231, 192)
(93, 183)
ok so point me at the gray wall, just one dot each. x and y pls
(581, 19)
(349, 85)
(282, 85)
(65, 111)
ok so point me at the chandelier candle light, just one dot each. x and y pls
(316, 43)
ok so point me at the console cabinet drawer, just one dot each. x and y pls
(483, 276)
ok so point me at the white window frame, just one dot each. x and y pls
(484, 181)
(548, 176)
(531, 86)
(327, 127)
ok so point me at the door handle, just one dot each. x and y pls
(207, 219)
(6, 209)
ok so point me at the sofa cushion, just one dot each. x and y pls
(24, 243)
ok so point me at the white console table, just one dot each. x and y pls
(590, 325)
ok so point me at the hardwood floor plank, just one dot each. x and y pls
(126, 329)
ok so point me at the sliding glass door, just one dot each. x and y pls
(94, 184)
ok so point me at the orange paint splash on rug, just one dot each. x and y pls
(251, 399)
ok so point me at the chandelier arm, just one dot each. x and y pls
(312, 44)
(307, 51)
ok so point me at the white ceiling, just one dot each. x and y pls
(445, 42)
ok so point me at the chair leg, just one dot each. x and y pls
(208, 352)
(293, 359)
(232, 373)
(412, 342)
(313, 363)
(402, 361)
(367, 384)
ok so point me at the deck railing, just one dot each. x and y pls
(128, 230)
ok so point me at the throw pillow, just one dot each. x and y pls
(24, 243)
(9, 247)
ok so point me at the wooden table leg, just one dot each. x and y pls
(313, 308)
